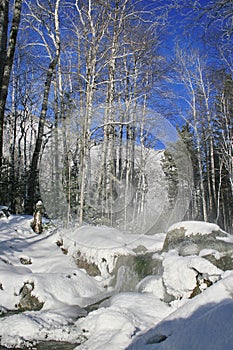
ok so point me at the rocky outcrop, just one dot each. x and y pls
(224, 262)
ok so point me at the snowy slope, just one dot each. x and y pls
(204, 322)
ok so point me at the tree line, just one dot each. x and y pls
(79, 76)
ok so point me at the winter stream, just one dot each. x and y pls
(128, 272)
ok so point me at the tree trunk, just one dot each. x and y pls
(4, 9)
(33, 174)
(34, 171)
(7, 57)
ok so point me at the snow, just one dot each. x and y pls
(209, 327)
(180, 273)
(126, 314)
(152, 284)
(158, 315)
(204, 322)
(195, 227)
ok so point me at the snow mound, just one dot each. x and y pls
(98, 245)
(152, 284)
(127, 314)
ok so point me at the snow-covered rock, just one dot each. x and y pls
(183, 275)
(190, 237)
(126, 315)
(111, 255)
(4, 212)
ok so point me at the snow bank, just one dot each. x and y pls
(99, 245)
(203, 323)
(212, 330)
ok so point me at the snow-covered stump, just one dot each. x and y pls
(37, 218)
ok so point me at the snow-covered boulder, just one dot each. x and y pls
(190, 237)
(116, 258)
(114, 325)
(131, 269)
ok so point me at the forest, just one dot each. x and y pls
(91, 89)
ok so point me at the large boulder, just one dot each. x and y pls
(118, 259)
(201, 238)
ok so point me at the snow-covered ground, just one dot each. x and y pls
(159, 314)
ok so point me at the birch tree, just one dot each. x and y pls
(107, 179)
(224, 148)
(206, 92)
(92, 27)
(187, 64)
(129, 65)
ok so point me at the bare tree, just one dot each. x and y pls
(187, 64)
(53, 57)
(225, 128)
(7, 48)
